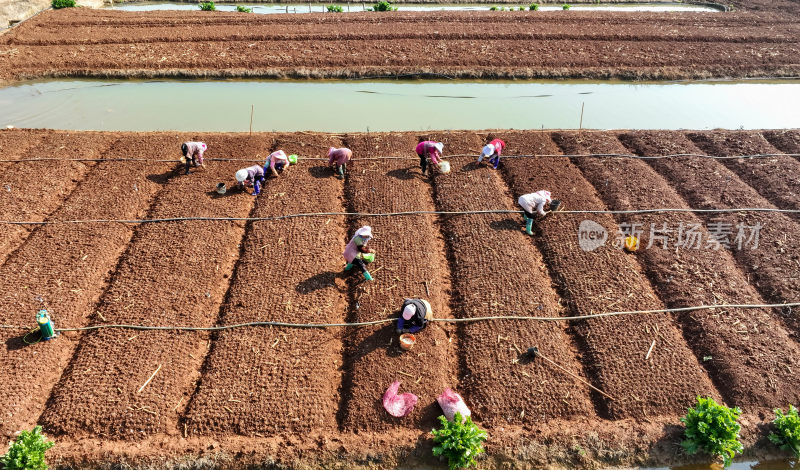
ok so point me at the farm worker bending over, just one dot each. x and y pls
(356, 249)
(429, 149)
(339, 158)
(251, 176)
(193, 153)
(492, 150)
(415, 316)
(277, 161)
(533, 202)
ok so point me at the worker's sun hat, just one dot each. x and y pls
(330, 150)
(439, 146)
(241, 175)
(364, 232)
(409, 311)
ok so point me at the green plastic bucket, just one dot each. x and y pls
(293, 159)
(368, 257)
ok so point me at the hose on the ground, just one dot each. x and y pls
(414, 158)
(442, 320)
(388, 214)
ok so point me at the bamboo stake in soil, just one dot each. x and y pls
(538, 354)
(252, 107)
(148, 380)
(650, 350)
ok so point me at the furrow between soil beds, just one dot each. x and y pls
(68, 266)
(496, 271)
(285, 380)
(410, 263)
(172, 274)
(787, 141)
(776, 178)
(594, 278)
(736, 346)
(768, 250)
(34, 190)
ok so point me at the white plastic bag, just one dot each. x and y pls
(451, 402)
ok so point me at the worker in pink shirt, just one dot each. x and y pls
(356, 252)
(193, 154)
(338, 158)
(277, 161)
(429, 149)
(492, 150)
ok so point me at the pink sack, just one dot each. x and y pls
(451, 402)
(398, 405)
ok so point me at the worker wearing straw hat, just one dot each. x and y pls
(277, 161)
(338, 158)
(193, 154)
(429, 149)
(492, 151)
(251, 176)
(533, 202)
(415, 316)
(356, 252)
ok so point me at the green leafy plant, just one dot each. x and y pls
(565, 6)
(208, 6)
(493, 8)
(521, 8)
(533, 7)
(383, 5)
(713, 428)
(243, 9)
(459, 440)
(335, 8)
(56, 4)
(787, 427)
(27, 451)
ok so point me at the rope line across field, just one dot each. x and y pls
(591, 155)
(390, 320)
(387, 214)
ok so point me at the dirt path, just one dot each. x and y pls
(704, 183)
(599, 45)
(410, 263)
(734, 345)
(615, 349)
(495, 271)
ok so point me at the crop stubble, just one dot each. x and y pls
(734, 345)
(604, 280)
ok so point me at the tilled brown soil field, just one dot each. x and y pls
(763, 41)
(308, 397)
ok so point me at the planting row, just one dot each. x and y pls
(127, 384)
(81, 42)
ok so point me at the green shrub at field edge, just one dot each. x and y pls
(383, 5)
(787, 427)
(208, 6)
(459, 440)
(565, 6)
(713, 428)
(243, 9)
(27, 451)
(56, 4)
(533, 7)
(335, 8)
